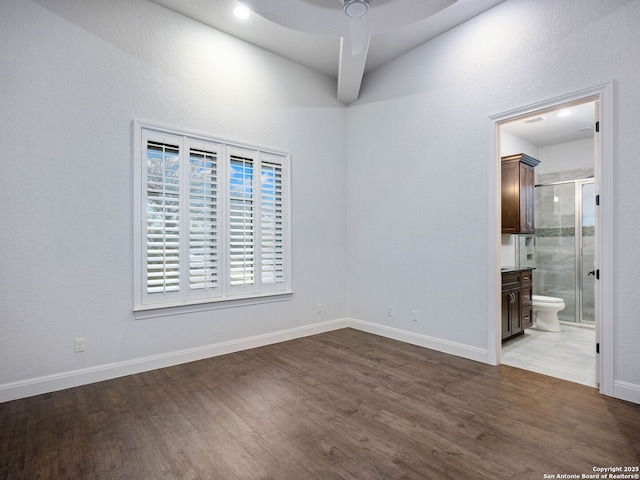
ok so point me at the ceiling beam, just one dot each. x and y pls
(351, 69)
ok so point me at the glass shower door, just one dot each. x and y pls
(565, 247)
(555, 274)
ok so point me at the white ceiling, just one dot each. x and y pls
(548, 128)
(317, 33)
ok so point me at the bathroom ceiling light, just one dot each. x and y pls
(356, 8)
(539, 118)
(241, 12)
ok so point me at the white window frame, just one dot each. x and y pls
(224, 293)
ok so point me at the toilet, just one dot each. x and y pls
(545, 312)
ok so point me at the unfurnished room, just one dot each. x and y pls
(319, 239)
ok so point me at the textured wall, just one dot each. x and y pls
(417, 160)
(74, 76)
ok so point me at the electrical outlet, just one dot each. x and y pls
(389, 311)
(414, 315)
(319, 308)
(79, 345)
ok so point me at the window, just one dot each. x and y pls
(211, 220)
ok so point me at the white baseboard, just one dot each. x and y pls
(76, 378)
(626, 391)
(453, 348)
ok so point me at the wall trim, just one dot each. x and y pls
(85, 376)
(76, 378)
(626, 391)
(445, 346)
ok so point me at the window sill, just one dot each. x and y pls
(153, 311)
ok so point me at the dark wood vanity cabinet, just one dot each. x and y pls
(517, 308)
(518, 181)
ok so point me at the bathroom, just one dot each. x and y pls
(560, 249)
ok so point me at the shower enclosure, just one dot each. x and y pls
(563, 247)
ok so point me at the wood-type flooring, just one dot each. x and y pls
(342, 405)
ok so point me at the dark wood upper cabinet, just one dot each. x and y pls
(518, 181)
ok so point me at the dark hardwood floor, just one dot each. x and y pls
(341, 405)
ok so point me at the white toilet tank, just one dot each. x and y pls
(545, 299)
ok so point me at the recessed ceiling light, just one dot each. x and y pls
(564, 113)
(241, 12)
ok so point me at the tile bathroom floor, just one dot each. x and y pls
(570, 354)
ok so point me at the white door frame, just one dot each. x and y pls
(603, 94)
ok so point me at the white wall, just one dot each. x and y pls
(511, 144)
(74, 76)
(574, 155)
(418, 162)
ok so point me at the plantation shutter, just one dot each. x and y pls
(241, 222)
(162, 250)
(204, 252)
(272, 222)
(211, 220)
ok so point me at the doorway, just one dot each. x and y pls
(600, 186)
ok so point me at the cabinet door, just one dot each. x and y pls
(506, 309)
(527, 182)
(511, 321)
(510, 197)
